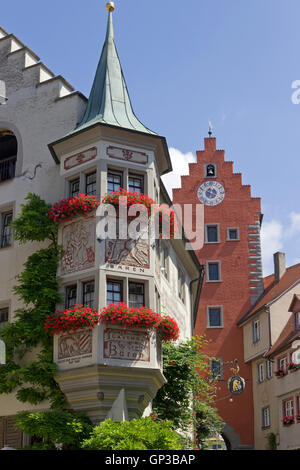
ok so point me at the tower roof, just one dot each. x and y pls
(109, 101)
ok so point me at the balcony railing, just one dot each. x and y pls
(7, 168)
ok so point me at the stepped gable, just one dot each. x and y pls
(20, 68)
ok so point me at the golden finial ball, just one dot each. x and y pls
(110, 6)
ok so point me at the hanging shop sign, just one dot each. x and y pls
(236, 385)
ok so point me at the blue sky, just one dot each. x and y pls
(231, 62)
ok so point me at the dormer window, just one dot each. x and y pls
(8, 155)
(210, 170)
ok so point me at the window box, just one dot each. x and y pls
(288, 420)
(280, 373)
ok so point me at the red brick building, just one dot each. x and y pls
(233, 276)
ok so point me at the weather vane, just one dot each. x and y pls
(210, 129)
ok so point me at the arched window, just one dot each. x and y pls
(8, 155)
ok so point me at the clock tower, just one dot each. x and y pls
(233, 277)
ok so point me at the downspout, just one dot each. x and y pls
(194, 306)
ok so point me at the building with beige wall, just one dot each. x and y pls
(287, 379)
(262, 326)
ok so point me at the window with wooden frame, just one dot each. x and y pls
(136, 293)
(91, 184)
(114, 180)
(261, 372)
(136, 183)
(266, 421)
(114, 291)
(288, 407)
(269, 369)
(70, 296)
(88, 294)
(255, 331)
(6, 230)
(74, 187)
(282, 363)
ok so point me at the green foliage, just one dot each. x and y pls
(55, 427)
(138, 434)
(272, 441)
(208, 423)
(187, 397)
(38, 287)
(33, 224)
(38, 283)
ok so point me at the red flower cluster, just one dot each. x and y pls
(67, 209)
(152, 207)
(120, 314)
(71, 319)
(287, 420)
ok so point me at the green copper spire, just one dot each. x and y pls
(109, 101)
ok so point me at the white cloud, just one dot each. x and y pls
(271, 241)
(294, 229)
(180, 163)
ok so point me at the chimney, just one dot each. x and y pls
(279, 265)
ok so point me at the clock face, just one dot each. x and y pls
(211, 193)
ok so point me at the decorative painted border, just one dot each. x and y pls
(80, 158)
(134, 156)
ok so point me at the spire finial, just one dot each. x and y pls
(210, 129)
(110, 6)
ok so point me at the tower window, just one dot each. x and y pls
(233, 234)
(213, 271)
(8, 155)
(212, 233)
(210, 170)
(216, 369)
(214, 317)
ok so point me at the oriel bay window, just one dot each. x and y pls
(130, 292)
